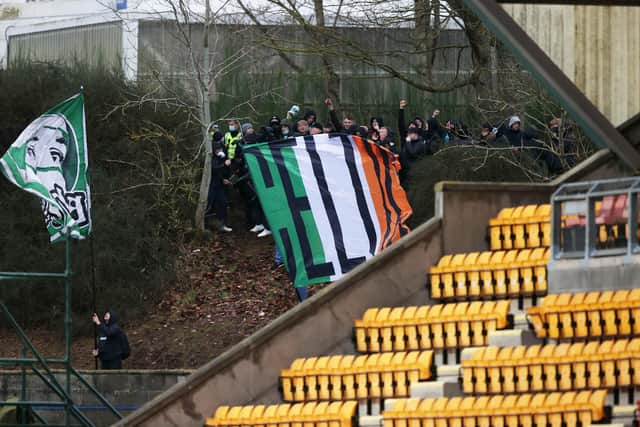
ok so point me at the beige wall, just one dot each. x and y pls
(597, 47)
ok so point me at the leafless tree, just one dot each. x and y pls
(410, 54)
(199, 65)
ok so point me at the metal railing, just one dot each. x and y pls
(595, 218)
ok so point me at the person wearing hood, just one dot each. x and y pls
(285, 129)
(514, 134)
(249, 134)
(376, 123)
(274, 123)
(112, 344)
(310, 117)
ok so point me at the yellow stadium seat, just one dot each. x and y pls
(592, 364)
(410, 341)
(549, 370)
(623, 363)
(461, 329)
(483, 377)
(364, 335)
(496, 235)
(553, 317)
(553, 401)
(520, 229)
(348, 377)
(359, 369)
(449, 328)
(494, 404)
(311, 382)
(506, 371)
(541, 257)
(424, 328)
(507, 231)
(538, 410)
(461, 276)
(447, 276)
(524, 417)
(562, 357)
(494, 374)
(593, 315)
(474, 274)
(529, 375)
(480, 407)
(500, 272)
(634, 348)
(607, 364)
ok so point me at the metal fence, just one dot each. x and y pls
(596, 218)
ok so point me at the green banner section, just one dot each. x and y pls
(283, 196)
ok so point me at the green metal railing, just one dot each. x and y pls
(40, 366)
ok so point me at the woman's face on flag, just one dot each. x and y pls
(47, 147)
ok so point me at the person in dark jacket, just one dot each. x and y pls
(347, 122)
(217, 199)
(110, 342)
(386, 139)
(310, 117)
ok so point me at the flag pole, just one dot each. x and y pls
(93, 297)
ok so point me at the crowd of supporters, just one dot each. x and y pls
(415, 138)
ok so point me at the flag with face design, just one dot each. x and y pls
(49, 159)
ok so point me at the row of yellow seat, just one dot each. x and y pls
(489, 274)
(593, 365)
(311, 414)
(355, 377)
(439, 326)
(526, 410)
(521, 227)
(589, 315)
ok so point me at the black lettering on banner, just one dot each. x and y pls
(262, 164)
(346, 263)
(297, 205)
(288, 252)
(359, 192)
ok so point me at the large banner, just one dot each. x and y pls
(49, 159)
(332, 202)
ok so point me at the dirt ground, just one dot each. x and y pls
(226, 289)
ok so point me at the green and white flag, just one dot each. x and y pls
(49, 159)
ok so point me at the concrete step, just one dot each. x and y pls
(448, 373)
(520, 321)
(466, 353)
(512, 337)
(425, 389)
(371, 421)
(623, 415)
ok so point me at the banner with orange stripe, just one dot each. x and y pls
(332, 202)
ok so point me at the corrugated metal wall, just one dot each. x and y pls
(94, 45)
(597, 47)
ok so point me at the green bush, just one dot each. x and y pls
(144, 174)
